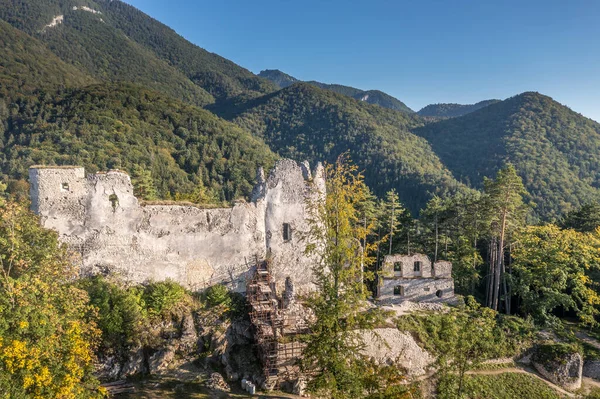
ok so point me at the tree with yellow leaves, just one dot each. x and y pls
(333, 353)
(46, 340)
(553, 269)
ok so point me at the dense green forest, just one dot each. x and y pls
(123, 44)
(283, 80)
(27, 66)
(305, 122)
(453, 110)
(555, 150)
(122, 126)
(552, 148)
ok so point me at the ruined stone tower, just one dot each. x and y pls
(99, 217)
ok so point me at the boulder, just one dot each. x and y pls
(160, 360)
(560, 363)
(391, 346)
(591, 369)
(216, 382)
(134, 364)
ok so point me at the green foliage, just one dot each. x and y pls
(305, 122)
(46, 340)
(557, 268)
(127, 127)
(554, 352)
(143, 184)
(501, 386)
(332, 354)
(161, 297)
(217, 295)
(438, 332)
(126, 315)
(122, 313)
(554, 149)
(27, 67)
(453, 110)
(584, 219)
(376, 97)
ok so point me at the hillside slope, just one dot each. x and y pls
(449, 110)
(555, 150)
(113, 41)
(283, 80)
(27, 66)
(119, 126)
(305, 122)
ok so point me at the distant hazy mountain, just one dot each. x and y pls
(555, 150)
(369, 96)
(448, 110)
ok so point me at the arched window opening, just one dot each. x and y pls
(439, 293)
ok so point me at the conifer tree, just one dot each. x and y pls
(143, 184)
(506, 211)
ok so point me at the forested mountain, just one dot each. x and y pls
(449, 110)
(52, 47)
(554, 149)
(26, 66)
(281, 79)
(305, 122)
(377, 97)
(113, 41)
(120, 126)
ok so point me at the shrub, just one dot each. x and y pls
(217, 295)
(162, 297)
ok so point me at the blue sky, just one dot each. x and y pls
(421, 52)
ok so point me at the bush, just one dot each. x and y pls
(162, 297)
(217, 295)
(555, 352)
(121, 312)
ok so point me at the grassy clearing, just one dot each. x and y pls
(171, 388)
(508, 386)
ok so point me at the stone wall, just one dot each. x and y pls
(403, 281)
(99, 217)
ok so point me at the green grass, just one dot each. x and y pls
(508, 386)
(171, 388)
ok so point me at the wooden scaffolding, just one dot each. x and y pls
(275, 329)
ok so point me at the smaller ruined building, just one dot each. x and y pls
(414, 278)
(114, 232)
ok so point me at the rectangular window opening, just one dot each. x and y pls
(64, 187)
(399, 290)
(287, 232)
(397, 267)
(417, 267)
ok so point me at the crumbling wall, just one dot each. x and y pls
(100, 218)
(442, 269)
(416, 290)
(408, 266)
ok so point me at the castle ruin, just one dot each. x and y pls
(99, 217)
(414, 278)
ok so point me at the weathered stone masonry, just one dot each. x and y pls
(99, 217)
(415, 278)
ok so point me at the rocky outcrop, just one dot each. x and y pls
(393, 347)
(591, 369)
(560, 364)
(216, 382)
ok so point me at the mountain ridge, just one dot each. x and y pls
(375, 97)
